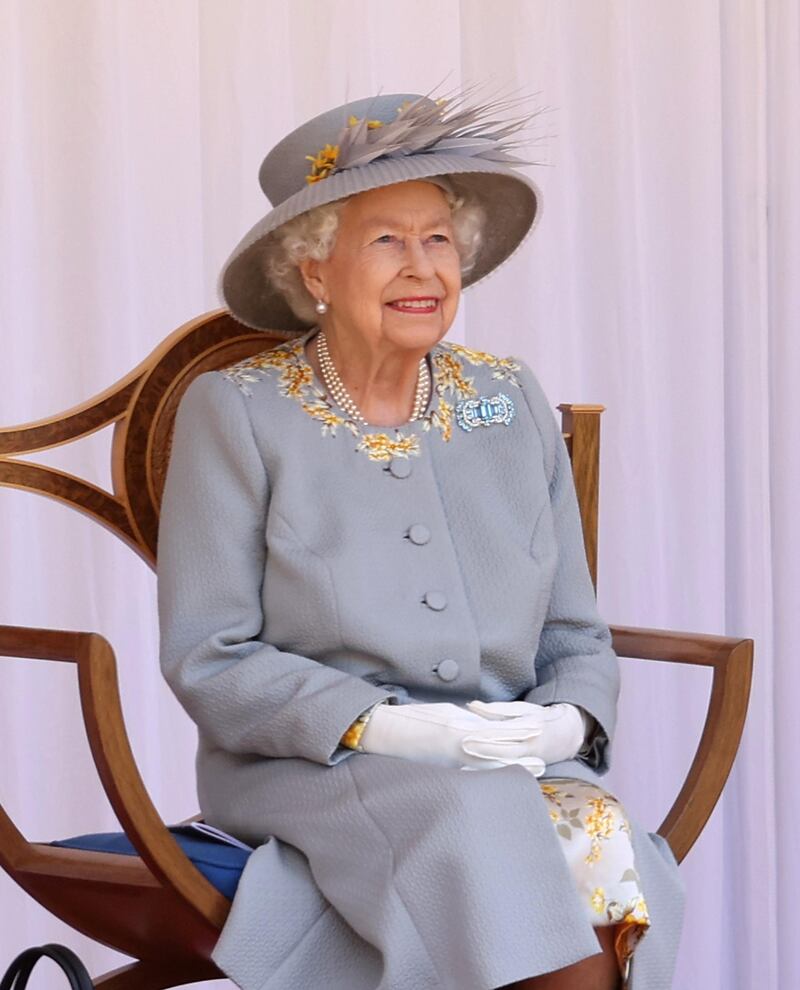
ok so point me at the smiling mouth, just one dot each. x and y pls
(428, 305)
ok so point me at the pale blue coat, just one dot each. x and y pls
(294, 572)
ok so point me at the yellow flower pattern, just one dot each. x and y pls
(599, 825)
(381, 447)
(371, 124)
(322, 411)
(502, 367)
(451, 375)
(322, 163)
(296, 381)
(595, 837)
(442, 418)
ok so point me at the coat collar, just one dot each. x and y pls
(449, 363)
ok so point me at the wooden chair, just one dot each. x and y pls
(157, 907)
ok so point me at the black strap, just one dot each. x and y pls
(18, 973)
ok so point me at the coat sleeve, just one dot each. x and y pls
(244, 694)
(575, 662)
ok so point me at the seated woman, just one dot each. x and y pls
(375, 602)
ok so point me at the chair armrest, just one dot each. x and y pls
(732, 663)
(108, 739)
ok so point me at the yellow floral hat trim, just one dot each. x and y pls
(371, 124)
(419, 127)
(323, 162)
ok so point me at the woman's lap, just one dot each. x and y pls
(432, 827)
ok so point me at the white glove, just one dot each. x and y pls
(440, 734)
(562, 730)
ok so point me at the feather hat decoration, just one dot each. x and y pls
(423, 126)
(378, 141)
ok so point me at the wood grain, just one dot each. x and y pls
(101, 894)
(732, 664)
(580, 425)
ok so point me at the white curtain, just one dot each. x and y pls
(661, 282)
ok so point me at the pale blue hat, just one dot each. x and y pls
(373, 142)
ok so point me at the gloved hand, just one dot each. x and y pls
(441, 734)
(562, 730)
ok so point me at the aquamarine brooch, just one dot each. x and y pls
(484, 411)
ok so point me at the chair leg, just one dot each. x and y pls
(150, 976)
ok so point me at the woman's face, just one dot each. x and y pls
(393, 244)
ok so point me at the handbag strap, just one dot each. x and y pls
(18, 973)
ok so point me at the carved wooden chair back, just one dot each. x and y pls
(156, 906)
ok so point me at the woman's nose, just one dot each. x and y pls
(418, 261)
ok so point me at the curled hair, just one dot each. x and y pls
(313, 234)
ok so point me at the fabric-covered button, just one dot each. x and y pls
(447, 670)
(437, 600)
(400, 467)
(419, 534)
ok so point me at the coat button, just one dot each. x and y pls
(419, 534)
(447, 670)
(437, 600)
(400, 467)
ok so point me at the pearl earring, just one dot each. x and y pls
(321, 307)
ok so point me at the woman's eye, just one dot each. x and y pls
(440, 238)
(384, 238)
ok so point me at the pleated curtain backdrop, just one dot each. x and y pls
(661, 282)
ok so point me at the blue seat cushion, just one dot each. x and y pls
(220, 863)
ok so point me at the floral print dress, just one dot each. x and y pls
(596, 841)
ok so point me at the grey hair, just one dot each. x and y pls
(313, 234)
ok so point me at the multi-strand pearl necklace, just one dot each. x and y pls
(335, 385)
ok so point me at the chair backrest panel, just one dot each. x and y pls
(142, 440)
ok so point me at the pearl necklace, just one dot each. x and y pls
(335, 385)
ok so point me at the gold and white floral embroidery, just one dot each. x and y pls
(502, 368)
(381, 447)
(245, 372)
(296, 381)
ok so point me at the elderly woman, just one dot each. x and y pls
(375, 602)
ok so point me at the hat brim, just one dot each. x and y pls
(511, 200)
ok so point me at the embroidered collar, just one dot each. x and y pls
(297, 381)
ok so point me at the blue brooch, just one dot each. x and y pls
(484, 411)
